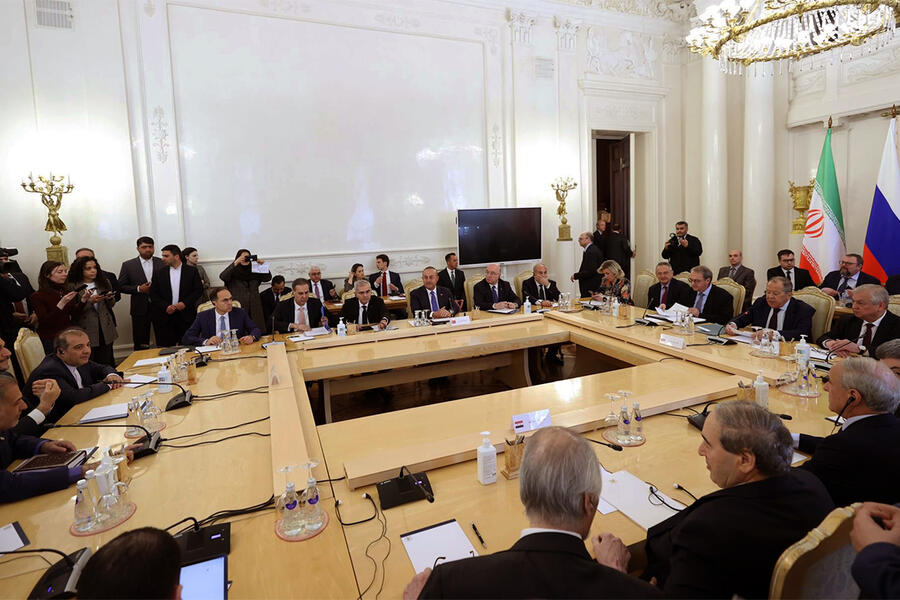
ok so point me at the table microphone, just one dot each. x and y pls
(185, 398)
(61, 579)
(149, 444)
(417, 483)
(615, 447)
(644, 321)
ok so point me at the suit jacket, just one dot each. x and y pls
(599, 239)
(18, 486)
(860, 463)
(377, 311)
(539, 565)
(833, 280)
(483, 299)
(684, 258)
(189, 290)
(284, 314)
(745, 277)
(679, 293)
(850, 326)
(419, 300)
(719, 305)
(797, 318)
(727, 542)
(530, 290)
(802, 278)
(589, 280)
(892, 285)
(205, 326)
(12, 290)
(52, 367)
(269, 301)
(617, 248)
(459, 290)
(327, 286)
(876, 570)
(131, 275)
(392, 276)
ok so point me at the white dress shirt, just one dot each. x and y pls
(147, 265)
(219, 321)
(779, 318)
(847, 423)
(862, 330)
(851, 281)
(75, 374)
(359, 317)
(531, 530)
(317, 290)
(175, 280)
(304, 310)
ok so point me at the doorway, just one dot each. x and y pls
(613, 154)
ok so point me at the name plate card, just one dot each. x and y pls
(672, 341)
(463, 320)
(536, 419)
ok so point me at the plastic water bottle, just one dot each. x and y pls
(487, 460)
(164, 379)
(292, 519)
(623, 433)
(526, 306)
(342, 328)
(312, 508)
(615, 307)
(637, 424)
(85, 513)
(803, 353)
(762, 391)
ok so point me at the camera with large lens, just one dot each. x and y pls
(7, 252)
(673, 239)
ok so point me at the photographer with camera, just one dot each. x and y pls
(682, 250)
(242, 280)
(15, 310)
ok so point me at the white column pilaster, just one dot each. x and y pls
(714, 167)
(758, 199)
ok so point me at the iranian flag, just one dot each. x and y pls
(823, 239)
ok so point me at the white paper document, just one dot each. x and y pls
(317, 331)
(503, 311)
(818, 354)
(106, 413)
(301, 338)
(12, 537)
(207, 349)
(798, 458)
(137, 380)
(445, 540)
(156, 360)
(255, 267)
(394, 297)
(669, 313)
(632, 496)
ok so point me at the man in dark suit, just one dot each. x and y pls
(223, 316)
(741, 275)
(365, 308)
(727, 542)
(80, 379)
(870, 324)
(135, 279)
(777, 310)
(30, 422)
(174, 292)
(431, 296)
(861, 462)
(269, 299)
(301, 312)
(113, 280)
(876, 539)
(321, 289)
(13, 445)
(708, 301)
(540, 290)
(892, 285)
(668, 291)
(385, 282)
(560, 485)
(682, 250)
(618, 248)
(598, 238)
(15, 309)
(454, 279)
(588, 275)
(493, 292)
(800, 278)
(848, 277)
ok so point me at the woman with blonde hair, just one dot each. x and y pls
(614, 283)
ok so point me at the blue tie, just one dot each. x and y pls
(494, 294)
(698, 304)
(434, 304)
(222, 326)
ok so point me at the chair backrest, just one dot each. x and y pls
(824, 305)
(736, 290)
(518, 280)
(408, 287)
(208, 305)
(818, 566)
(894, 304)
(641, 292)
(285, 296)
(29, 351)
(684, 276)
(470, 289)
(347, 295)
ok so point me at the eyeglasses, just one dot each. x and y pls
(657, 500)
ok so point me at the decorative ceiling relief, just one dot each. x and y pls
(616, 53)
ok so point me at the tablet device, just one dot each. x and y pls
(207, 579)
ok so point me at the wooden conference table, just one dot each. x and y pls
(440, 438)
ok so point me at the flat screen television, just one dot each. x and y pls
(498, 235)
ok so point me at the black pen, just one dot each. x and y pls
(480, 539)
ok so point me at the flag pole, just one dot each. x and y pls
(890, 114)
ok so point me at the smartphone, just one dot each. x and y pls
(81, 287)
(253, 257)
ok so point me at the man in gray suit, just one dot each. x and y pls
(740, 274)
(134, 279)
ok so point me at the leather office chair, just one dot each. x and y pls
(824, 305)
(408, 287)
(518, 280)
(818, 566)
(894, 304)
(641, 284)
(29, 351)
(736, 290)
(470, 290)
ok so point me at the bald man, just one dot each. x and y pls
(539, 288)
(740, 274)
(493, 292)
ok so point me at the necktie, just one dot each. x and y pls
(494, 295)
(790, 276)
(77, 374)
(301, 318)
(773, 320)
(365, 315)
(867, 338)
(384, 284)
(731, 272)
(434, 304)
(664, 297)
(222, 325)
(842, 286)
(541, 290)
(318, 291)
(453, 278)
(698, 303)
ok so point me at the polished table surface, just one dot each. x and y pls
(243, 471)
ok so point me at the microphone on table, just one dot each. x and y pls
(185, 398)
(644, 321)
(417, 483)
(61, 579)
(149, 444)
(615, 447)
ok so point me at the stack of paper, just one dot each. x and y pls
(156, 360)
(106, 413)
(138, 380)
(632, 496)
(670, 312)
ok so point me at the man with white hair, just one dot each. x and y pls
(539, 288)
(870, 325)
(861, 462)
(559, 484)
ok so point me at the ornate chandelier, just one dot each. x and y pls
(739, 33)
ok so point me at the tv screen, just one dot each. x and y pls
(498, 235)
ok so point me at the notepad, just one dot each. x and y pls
(156, 360)
(300, 338)
(503, 311)
(12, 537)
(632, 497)
(207, 349)
(446, 540)
(137, 380)
(106, 413)
(317, 331)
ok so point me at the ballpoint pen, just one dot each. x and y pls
(477, 533)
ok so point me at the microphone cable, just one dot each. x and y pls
(187, 435)
(207, 442)
(678, 486)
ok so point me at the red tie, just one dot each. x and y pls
(384, 285)
(773, 320)
(665, 295)
(867, 338)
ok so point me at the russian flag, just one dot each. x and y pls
(881, 256)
